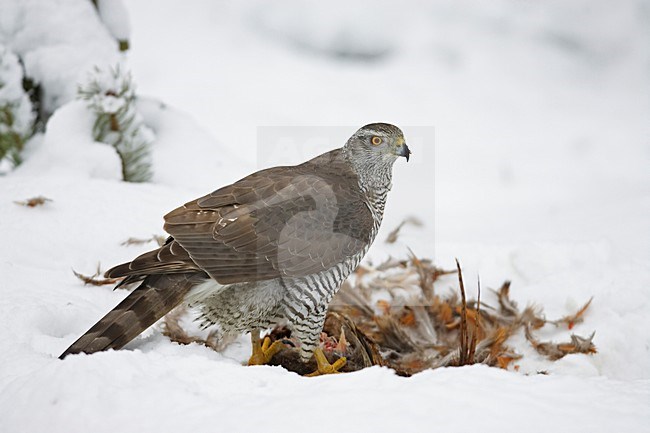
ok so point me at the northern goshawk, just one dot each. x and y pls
(274, 246)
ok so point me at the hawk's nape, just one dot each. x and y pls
(273, 246)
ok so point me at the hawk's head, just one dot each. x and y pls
(378, 143)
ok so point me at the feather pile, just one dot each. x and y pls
(392, 315)
(395, 315)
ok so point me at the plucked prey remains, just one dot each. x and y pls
(272, 247)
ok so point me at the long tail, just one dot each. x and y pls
(156, 296)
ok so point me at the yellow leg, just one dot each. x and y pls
(263, 353)
(324, 366)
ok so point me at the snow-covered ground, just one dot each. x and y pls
(530, 132)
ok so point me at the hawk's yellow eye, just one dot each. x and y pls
(376, 140)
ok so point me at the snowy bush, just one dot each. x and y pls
(57, 42)
(114, 15)
(16, 113)
(110, 94)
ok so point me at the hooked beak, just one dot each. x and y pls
(404, 151)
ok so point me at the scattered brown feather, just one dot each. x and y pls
(504, 361)
(160, 240)
(571, 320)
(391, 315)
(508, 307)
(389, 263)
(555, 351)
(394, 234)
(95, 279)
(532, 317)
(34, 201)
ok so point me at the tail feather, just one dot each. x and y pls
(155, 297)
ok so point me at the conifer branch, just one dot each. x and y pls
(111, 96)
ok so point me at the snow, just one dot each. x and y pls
(529, 127)
(58, 41)
(115, 17)
(12, 93)
(450, 399)
(69, 132)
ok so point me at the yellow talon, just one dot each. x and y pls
(324, 366)
(262, 354)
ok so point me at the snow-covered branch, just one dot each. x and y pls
(110, 94)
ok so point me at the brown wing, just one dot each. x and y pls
(285, 221)
(171, 258)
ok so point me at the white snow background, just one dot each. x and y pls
(539, 172)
